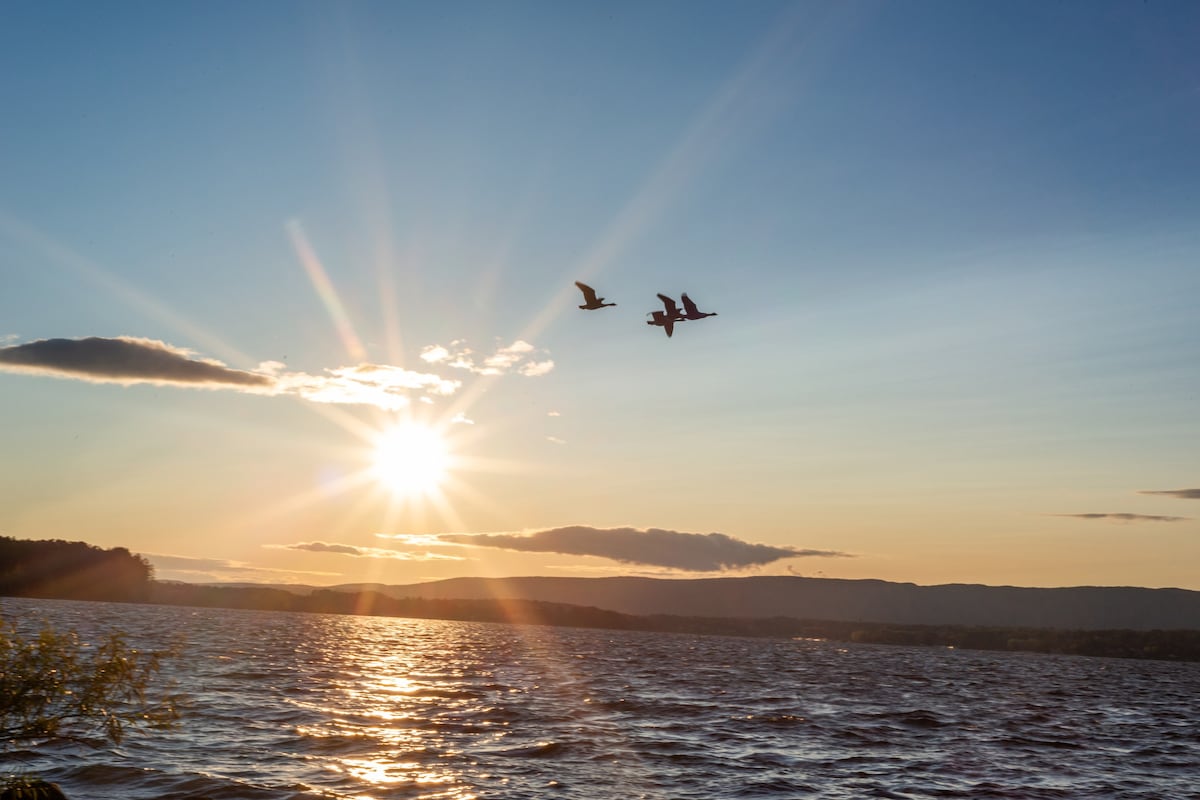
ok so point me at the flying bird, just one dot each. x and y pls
(690, 310)
(672, 310)
(666, 318)
(591, 302)
(663, 320)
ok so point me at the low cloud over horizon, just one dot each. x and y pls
(1182, 494)
(129, 360)
(364, 552)
(220, 570)
(689, 552)
(1126, 517)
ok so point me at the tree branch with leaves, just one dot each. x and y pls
(55, 686)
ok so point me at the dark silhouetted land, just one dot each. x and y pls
(1175, 645)
(1123, 622)
(72, 570)
(1083, 607)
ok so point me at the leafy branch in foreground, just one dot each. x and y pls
(18, 787)
(53, 686)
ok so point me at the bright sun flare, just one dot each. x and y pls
(411, 459)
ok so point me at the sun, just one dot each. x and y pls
(411, 459)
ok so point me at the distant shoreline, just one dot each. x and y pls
(1164, 645)
(868, 612)
(1175, 645)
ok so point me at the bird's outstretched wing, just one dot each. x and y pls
(688, 305)
(669, 304)
(589, 294)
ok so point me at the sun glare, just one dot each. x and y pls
(411, 459)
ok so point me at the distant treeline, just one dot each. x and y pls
(78, 571)
(72, 570)
(1177, 645)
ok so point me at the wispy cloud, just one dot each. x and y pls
(506, 358)
(364, 552)
(1125, 517)
(191, 563)
(536, 369)
(214, 570)
(127, 360)
(461, 357)
(690, 552)
(1182, 494)
(520, 357)
(379, 385)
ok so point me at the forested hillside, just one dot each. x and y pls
(72, 570)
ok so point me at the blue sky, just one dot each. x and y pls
(952, 247)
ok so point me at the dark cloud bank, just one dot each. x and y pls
(1126, 517)
(322, 547)
(1182, 494)
(124, 360)
(691, 552)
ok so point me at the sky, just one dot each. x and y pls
(287, 288)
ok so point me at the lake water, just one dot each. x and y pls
(312, 706)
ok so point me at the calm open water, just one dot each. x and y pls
(310, 706)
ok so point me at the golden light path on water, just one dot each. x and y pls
(400, 730)
(396, 694)
(409, 686)
(374, 699)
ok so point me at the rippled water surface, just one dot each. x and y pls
(307, 706)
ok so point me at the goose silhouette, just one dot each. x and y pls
(663, 320)
(690, 310)
(672, 310)
(666, 318)
(590, 301)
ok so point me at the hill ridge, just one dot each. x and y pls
(835, 599)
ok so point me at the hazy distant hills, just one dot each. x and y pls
(1079, 608)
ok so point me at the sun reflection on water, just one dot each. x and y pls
(395, 708)
(385, 708)
(382, 772)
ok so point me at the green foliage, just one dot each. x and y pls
(54, 686)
